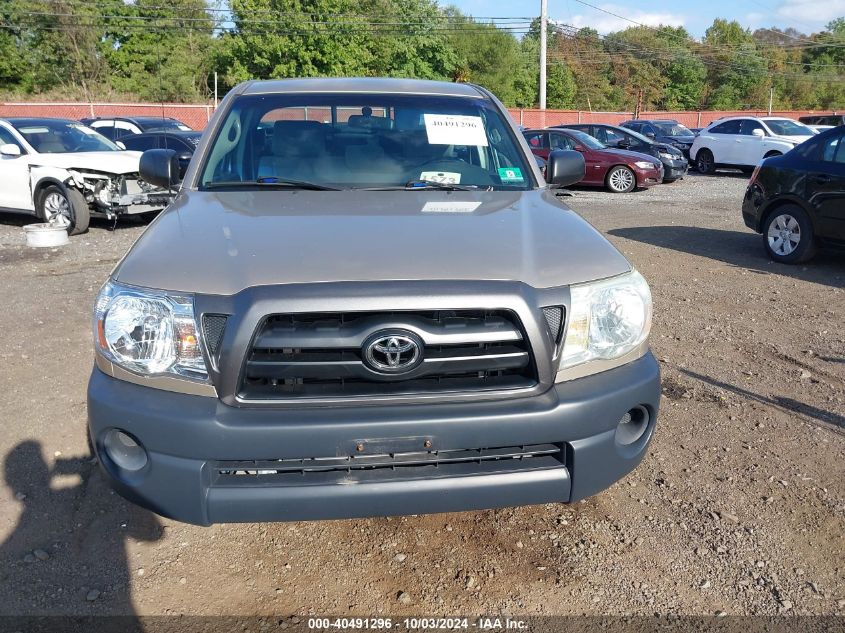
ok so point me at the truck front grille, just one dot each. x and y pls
(405, 465)
(323, 355)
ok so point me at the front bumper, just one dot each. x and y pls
(649, 177)
(675, 169)
(187, 437)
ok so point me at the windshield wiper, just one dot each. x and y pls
(422, 185)
(270, 182)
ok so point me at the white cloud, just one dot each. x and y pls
(606, 23)
(803, 11)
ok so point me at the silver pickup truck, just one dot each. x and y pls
(366, 300)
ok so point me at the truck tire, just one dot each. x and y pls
(64, 206)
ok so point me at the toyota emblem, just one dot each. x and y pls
(393, 351)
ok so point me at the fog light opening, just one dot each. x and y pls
(124, 450)
(632, 426)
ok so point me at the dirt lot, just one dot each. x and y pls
(738, 508)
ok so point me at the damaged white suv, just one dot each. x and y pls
(64, 172)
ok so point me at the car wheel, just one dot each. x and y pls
(620, 179)
(65, 207)
(788, 235)
(704, 161)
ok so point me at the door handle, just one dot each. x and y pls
(822, 179)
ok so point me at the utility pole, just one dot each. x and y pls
(544, 21)
(215, 89)
(771, 99)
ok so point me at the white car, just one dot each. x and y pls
(745, 141)
(63, 172)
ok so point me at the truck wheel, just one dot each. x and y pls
(620, 179)
(704, 161)
(788, 235)
(65, 207)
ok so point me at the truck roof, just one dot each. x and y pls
(364, 85)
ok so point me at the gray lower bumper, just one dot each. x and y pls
(186, 435)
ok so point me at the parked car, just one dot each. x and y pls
(797, 200)
(820, 128)
(115, 128)
(64, 172)
(743, 142)
(184, 143)
(666, 131)
(823, 119)
(620, 171)
(369, 320)
(675, 166)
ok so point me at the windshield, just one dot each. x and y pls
(672, 129)
(785, 127)
(347, 141)
(56, 137)
(586, 139)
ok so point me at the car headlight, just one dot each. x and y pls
(666, 156)
(148, 332)
(607, 319)
(644, 164)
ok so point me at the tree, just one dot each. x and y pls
(737, 73)
(486, 55)
(168, 59)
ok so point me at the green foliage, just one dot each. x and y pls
(154, 50)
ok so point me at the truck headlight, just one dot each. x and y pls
(608, 319)
(148, 332)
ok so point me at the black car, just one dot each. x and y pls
(797, 200)
(118, 127)
(666, 131)
(183, 142)
(675, 166)
(823, 119)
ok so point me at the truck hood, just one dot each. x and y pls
(220, 243)
(125, 162)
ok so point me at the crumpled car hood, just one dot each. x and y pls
(223, 242)
(124, 162)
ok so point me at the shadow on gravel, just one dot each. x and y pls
(67, 555)
(737, 248)
(788, 405)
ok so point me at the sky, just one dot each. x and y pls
(807, 16)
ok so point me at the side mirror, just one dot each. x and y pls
(10, 149)
(565, 167)
(623, 144)
(650, 135)
(160, 167)
(580, 148)
(758, 132)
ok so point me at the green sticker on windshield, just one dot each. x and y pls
(510, 174)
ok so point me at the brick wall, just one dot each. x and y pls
(197, 116)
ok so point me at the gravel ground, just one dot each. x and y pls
(738, 508)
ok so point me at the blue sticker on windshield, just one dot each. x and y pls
(510, 174)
